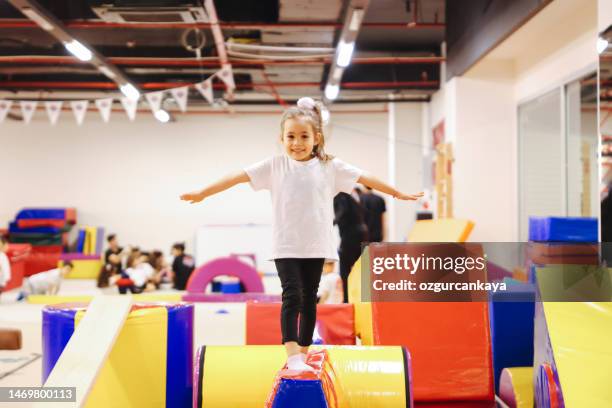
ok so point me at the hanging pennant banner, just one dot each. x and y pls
(27, 110)
(180, 96)
(154, 99)
(227, 76)
(104, 106)
(130, 106)
(79, 108)
(54, 108)
(5, 107)
(206, 89)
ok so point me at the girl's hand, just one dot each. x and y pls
(402, 196)
(193, 197)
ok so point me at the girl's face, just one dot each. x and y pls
(299, 139)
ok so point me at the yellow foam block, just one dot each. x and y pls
(522, 384)
(130, 379)
(441, 230)
(363, 310)
(366, 376)
(580, 335)
(84, 269)
(57, 299)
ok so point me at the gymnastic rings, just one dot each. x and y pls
(194, 39)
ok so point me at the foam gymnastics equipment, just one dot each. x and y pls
(150, 364)
(441, 230)
(141, 297)
(230, 297)
(563, 229)
(450, 344)
(31, 223)
(15, 229)
(303, 389)
(366, 376)
(511, 314)
(231, 266)
(68, 214)
(17, 255)
(10, 339)
(335, 323)
(572, 356)
(84, 268)
(40, 262)
(516, 387)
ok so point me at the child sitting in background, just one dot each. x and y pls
(140, 272)
(5, 266)
(110, 274)
(182, 266)
(45, 283)
(162, 271)
(330, 287)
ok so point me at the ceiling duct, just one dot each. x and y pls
(150, 11)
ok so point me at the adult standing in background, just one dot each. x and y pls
(348, 215)
(374, 214)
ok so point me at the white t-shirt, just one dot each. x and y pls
(331, 286)
(5, 269)
(40, 283)
(140, 274)
(303, 202)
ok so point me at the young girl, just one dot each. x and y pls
(303, 183)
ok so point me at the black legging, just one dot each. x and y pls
(300, 281)
(349, 252)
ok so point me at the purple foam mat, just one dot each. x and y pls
(231, 297)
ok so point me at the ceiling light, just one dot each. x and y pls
(337, 75)
(356, 19)
(107, 71)
(332, 91)
(345, 52)
(78, 50)
(162, 116)
(130, 91)
(37, 18)
(602, 45)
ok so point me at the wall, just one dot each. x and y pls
(127, 176)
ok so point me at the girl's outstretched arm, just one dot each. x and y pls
(221, 185)
(381, 186)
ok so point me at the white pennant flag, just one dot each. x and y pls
(104, 106)
(227, 76)
(54, 108)
(130, 106)
(206, 89)
(154, 99)
(79, 108)
(180, 96)
(27, 110)
(5, 107)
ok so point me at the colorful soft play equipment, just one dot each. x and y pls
(359, 377)
(450, 343)
(335, 323)
(516, 387)
(150, 363)
(226, 266)
(17, 255)
(42, 226)
(441, 230)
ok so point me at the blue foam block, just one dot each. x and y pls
(14, 229)
(230, 287)
(42, 213)
(511, 317)
(562, 229)
(299, 394)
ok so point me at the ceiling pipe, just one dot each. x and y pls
(15, 23)
(220, 45)
(54, 27)
(169, 85)
(191, 62)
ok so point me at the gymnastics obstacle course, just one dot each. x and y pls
(118, 354)
(358, 377)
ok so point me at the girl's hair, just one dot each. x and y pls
(312, 111)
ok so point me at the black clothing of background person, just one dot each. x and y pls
(353, 231)
(374, 208)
